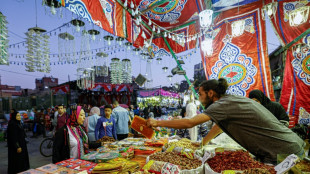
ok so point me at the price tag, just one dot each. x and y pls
(229, 172)
(170, 149)
(104, 124)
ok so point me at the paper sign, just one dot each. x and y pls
(288, 163)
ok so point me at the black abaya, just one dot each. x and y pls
(17, 162)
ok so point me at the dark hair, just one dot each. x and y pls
(219, 86)
(108, 106)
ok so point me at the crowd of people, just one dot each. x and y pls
(77, 128)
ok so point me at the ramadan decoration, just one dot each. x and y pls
(37, 50)
(66, 47)
(148, 74)
(85, 78)
(101, 67)
(4, 55)
(126, 63)
(116, 71)
(55, 7)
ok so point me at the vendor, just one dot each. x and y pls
(71, 140)
(249, 123)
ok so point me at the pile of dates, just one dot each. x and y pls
(175, 158)
(236, 160)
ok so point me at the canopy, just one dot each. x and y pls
(157, 92)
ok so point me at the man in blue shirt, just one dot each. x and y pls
(121, 116)
(106, 125)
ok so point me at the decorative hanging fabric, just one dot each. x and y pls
(112, 17)
(242, 60)
(281, 23)
(4, 55)
(296, 82)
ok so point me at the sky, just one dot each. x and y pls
(21, 15)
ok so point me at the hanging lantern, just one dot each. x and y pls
(207, 47)
(299, 15)
(165, 69)
(101, 67)
(270, 9)
(93, 34)
(205, 18)
(169, 77)
(148, 73)
(54, 6)
(66, 45)
(78, 24)
(109, 39)
(159, 60)
(128, 45)
(116, 71)
(4, 55)
(136, 50)
(37, 48)
(237, 28)
(85, 52)
(119, 40)
(85, 78)
(126, 68)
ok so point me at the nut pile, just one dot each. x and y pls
(256, 171)
(106, 139)
(183, 143)
(235, 160)
(175, 158)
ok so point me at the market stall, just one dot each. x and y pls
(157, 97)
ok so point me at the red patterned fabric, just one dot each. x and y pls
(287, 33)
(242, 60)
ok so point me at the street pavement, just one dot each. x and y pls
(35, 158)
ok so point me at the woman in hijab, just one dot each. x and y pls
(71, 141)
(91, 122)
(18, 159)
(274, 107)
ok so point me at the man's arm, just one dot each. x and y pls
(181, 123)
(213, 133)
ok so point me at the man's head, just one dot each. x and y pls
(115, 104)
(107, 110)
(211, 90)
(61, 109)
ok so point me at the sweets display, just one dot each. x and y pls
(32, 171)
(49, 168)
(103, 157)
(90, 156)
(77, 164)
(175, 158)
(106, 139)
(139, 125)
(235, 160)
(183, 143)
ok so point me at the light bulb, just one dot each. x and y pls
(131, 5)
(154, 28)
(125, 3)
(136, 52)
(93, 37)
(150, 22)
(138, 22)
(137, 10)
(158, 31)
(298, 18)
(143, 35)
(53, 10)
(109, 42)
(173, 38)
(78, 28)
(133, 13)
(165, 35)
(120, 43)
(169, 36)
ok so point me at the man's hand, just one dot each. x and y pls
(19, 150)
(151, 122)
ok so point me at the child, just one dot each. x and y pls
(106, 125)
